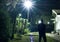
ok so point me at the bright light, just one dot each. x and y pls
(48, 22)
(39, 21)
(28, 4)
(19, 14)
(57, 22)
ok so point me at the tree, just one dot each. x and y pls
(4, 25)
(22, 25)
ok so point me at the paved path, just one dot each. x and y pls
(54, 36)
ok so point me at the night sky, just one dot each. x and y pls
(42, 7)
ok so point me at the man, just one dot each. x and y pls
(41, 29)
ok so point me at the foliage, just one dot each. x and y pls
(21, 25)
(4, 24)
(26, 30)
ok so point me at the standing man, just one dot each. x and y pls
(41, 29)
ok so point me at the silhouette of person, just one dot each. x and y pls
(41, 29)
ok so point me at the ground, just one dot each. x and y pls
(26, 38)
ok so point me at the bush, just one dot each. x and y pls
(26, 30)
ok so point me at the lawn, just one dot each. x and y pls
(27, 39)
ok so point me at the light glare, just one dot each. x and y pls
(39, 21)
(28, 4)
(48, 22)
(19, 14)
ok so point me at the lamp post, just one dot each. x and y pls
(28, 4)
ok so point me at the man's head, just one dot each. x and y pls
(41, 20)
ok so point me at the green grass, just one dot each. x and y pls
(27, 39)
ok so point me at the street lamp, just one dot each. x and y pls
(19, 14)
(39, 21)
(48, 22)
(28, 4)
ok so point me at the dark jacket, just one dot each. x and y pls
(41, 28)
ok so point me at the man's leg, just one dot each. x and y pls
(44, 38)
(39, 38)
